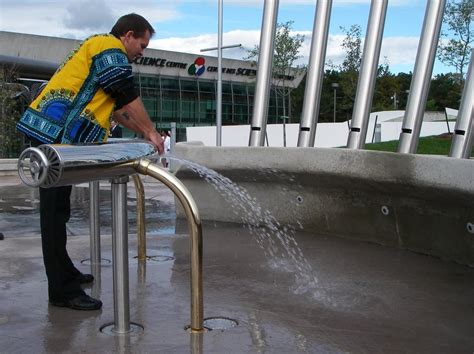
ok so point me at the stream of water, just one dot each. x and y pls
(277, 241)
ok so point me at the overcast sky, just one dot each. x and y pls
(190, 25)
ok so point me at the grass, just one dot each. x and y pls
(433, 145)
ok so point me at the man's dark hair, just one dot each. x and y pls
(132, 22)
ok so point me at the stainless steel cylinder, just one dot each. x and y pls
(120, 255)
(420, 82)
(464, 129)
(315, 72)
(94, 223)
(368, 73)
(264, 73)
(61, 165)
(141, 224)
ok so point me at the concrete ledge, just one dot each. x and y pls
(419, 202)
(8, 167)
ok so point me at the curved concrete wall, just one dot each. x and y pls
(417, 202)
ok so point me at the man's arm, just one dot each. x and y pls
(134, 117)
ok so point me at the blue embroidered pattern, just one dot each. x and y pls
(39, 126)
(112, 66)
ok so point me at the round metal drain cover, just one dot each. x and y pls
(103, 261)
(108, 329)
(160, 258)
(219, 323)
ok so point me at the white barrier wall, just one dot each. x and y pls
(327, 134)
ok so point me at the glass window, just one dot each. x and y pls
(188, 85)
(169, 84)
(207, 86)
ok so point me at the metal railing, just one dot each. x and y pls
(59, 165)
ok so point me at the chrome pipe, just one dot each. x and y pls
(141, 224)
(264, 73)
(461, 144)
(367, 75)
(145, 167)
(61, 165)
(120, 255)
(94, 223)
(420, 82)
(315, 72)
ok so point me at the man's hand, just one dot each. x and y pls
(156, 140)
(134, 117)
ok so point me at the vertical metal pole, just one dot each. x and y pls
(219, 78)
(420, 83)
(173, 136)
(367, 75)
(463, 130)
(120, 255)
(141, 224)
(315, 72)
(172, 144)
(94, 224)
(264, 73)
(335, 96)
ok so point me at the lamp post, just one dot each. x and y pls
(284, 118)
(335, 85)
(219, 72)
(395, 101)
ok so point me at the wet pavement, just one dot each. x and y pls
(368, 298)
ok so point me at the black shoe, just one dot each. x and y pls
(85, 278)
(82, 302)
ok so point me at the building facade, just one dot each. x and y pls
(175, 87)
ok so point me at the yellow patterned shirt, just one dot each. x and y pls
(76, 104)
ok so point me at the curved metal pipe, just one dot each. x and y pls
(141, 225)
(146, 167)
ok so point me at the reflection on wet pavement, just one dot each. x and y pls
(19, 208)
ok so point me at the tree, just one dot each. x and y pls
(13, 100)
(352, 45)
(349, 70)
(285, 54)
(445, 91)
(459, 18)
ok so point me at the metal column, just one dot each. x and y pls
(462, 139)
(315, 72)
(219, 77)
(120, 255)
(94, 224)
(264, 73)
(141, 222)
(367, 75)
(421, 77)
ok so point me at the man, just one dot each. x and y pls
(115, 130)
(167, 146)
(93, 83)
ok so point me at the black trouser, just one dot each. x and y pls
(55, 211)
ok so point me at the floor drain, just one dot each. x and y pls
(103, 261)
(160, 258)
(219, 323)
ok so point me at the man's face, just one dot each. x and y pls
(135, 46)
